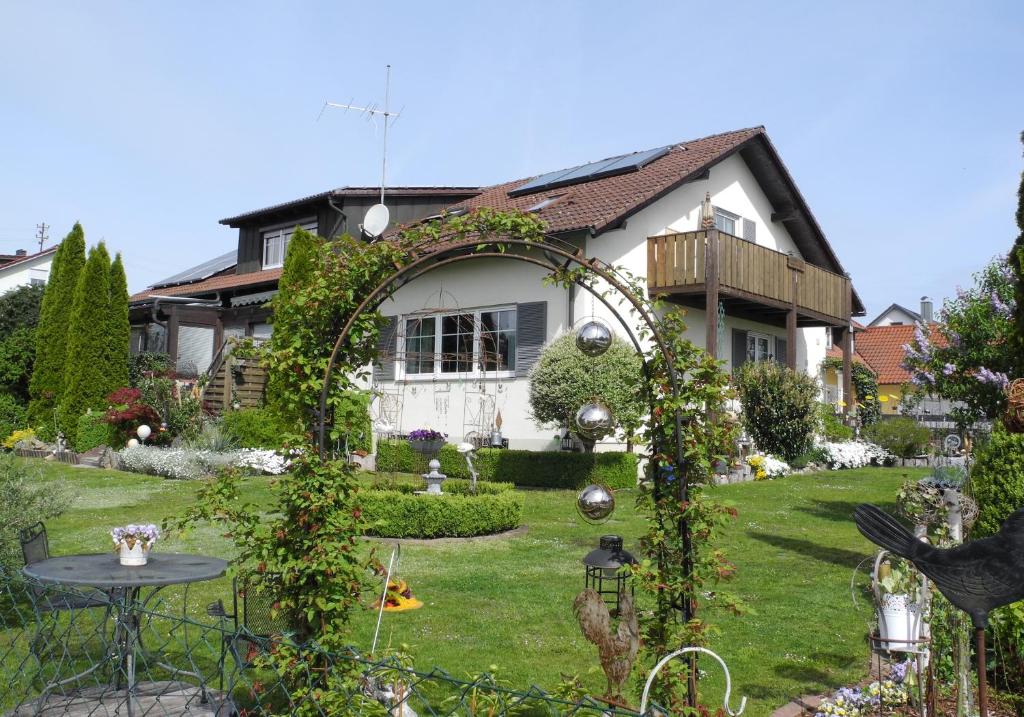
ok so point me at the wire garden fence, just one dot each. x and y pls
(65, 651)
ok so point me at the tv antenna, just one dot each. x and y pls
(376, 219)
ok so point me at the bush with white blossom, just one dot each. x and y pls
(852, 454)
(767, 466)
(189, 464)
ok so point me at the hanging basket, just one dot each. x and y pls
(428, 448)
(1013, 418)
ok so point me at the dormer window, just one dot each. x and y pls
(275, 241)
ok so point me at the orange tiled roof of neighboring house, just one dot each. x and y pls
(214, 283)
(881, 347)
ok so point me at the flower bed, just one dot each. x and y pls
(890, 693)
(399, 512)
(767, 467)
(188, 464)
(853, 454)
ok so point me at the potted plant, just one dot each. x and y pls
(426, 441)
(133, 542)
(899, 614)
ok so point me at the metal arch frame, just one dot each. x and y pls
(470, 249)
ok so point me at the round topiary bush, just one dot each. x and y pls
(397, 511)
(997, 480)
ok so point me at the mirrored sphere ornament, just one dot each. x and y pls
(594, 338)
(594, 420)
(595, 503)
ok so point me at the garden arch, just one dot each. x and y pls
(559, 256)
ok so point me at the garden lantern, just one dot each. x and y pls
(143, 432)
(604, 570)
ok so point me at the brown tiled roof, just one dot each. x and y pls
(882, 349)
(213, 284)
(602, 203)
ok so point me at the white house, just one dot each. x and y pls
(772, 283)
(22, 268)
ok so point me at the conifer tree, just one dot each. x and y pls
(47, 383)
(118, 330)
(87, 379)
(1016, 261)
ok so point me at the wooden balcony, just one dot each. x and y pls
(702, 267)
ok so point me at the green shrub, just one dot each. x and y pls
(997, 478)
(398, 514)
(24, 500)
(253, 428)
(352, 420)
(459, 486)
(780, 407)
(147, 362)
(832, 427)
(539, 469)
(12, 415)
(815, 455)
(93, 431)
(902, 436)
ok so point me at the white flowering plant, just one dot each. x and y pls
(852, 454)
(189, 464)
(767, 466)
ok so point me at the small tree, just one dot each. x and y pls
(118, 327)
(87, 371)
(564, 379)
(19, 308)
(779, 407)
(47, 384)
(1016, 261)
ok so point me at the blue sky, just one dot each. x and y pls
(148, 122)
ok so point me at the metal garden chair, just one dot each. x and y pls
(253, 622)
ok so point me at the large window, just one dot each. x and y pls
(473, 343)
(275, 242)
(726, 221)
(759, 347)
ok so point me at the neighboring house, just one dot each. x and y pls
(462, 340)
(191, 314)
(22, 268)
(897, 315)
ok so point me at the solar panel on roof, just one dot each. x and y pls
(203, 271)
(621, 164)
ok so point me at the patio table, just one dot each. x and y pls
(104, 571)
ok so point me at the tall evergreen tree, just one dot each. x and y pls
(46, 386)
(1016, 260)
(119, 330)
(87, 380)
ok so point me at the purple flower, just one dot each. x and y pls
(426, 434)
(994, 378)
(999, 306)
(948, 370)
(898, 673)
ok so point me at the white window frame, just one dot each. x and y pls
(282, 233)
(736, 219)
(771, 345)
(438, 375)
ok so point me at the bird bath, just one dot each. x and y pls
(434, 478)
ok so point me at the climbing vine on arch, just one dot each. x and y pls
(865, 384)
(326, 333)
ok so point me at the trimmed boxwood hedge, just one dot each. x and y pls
(93, 431)
(399, 513)
(539, 469)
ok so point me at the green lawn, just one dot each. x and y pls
(507, 602)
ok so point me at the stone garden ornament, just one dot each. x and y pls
(977, 576)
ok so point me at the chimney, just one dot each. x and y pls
(21, 252)
(926, 309)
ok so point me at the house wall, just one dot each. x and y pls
(448, 406)
(894, 316)
(23, 272)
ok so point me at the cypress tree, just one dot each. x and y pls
(46, 386)
(119, 330)
(87, 370)
(1016, 260)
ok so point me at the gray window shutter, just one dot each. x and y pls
(531, 334)
(780, 350)
(750, 230)
(739, 348)
(384, 366)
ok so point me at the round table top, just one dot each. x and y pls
(104, 570)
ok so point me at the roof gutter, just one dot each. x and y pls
(157, 298)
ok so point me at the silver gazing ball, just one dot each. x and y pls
(594, 421)
(595, 503)
(594, 338)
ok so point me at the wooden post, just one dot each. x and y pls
(228, 379)
(847, 339)
(791, 319)
(711, 292)
(979, 641)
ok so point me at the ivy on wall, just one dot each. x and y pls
(865, 384)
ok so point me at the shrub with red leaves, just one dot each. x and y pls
(127, 412)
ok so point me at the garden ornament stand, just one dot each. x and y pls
(690, 650)
(557, 257)
(976, 577)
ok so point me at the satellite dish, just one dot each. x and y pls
(376, 220)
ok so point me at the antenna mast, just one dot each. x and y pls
(372, 111)
(41, 234)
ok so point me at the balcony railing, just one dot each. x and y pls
(680, 264)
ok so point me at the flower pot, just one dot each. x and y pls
(899, 619)
(135, 555)
(427, 448)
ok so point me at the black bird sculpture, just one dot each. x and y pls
(976, 577)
